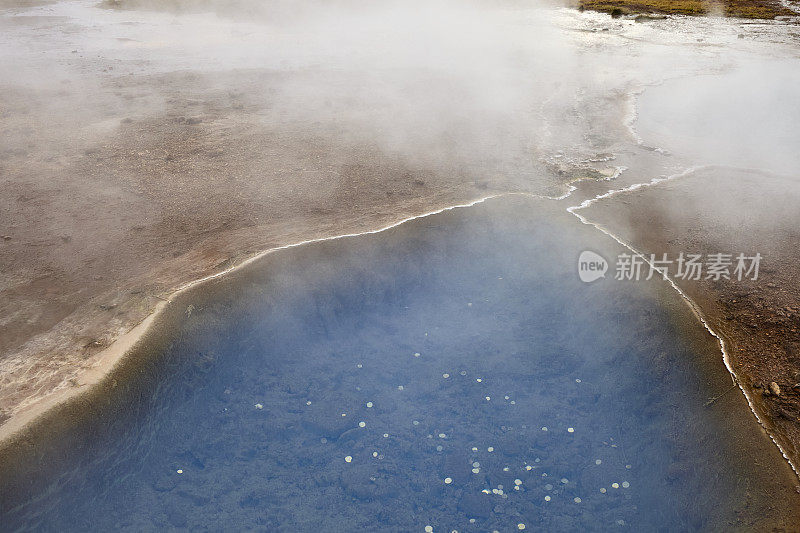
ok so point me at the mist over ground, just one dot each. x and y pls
(144, 144)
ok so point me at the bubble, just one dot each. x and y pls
(625, 484)
(544, 428)
(547, 498)
(448, 480)
(362, 424)
(602, 490)
(428, 529)
(445, 375)
(506, 397)
(476, 464)
(520, 526)
(476, 470)
(513, 402)
(463, 372)
(400, 387)
(442, 435)
(359, 365)
(308, 402)
(615, 485)
(479, 380)
(506, 469)
(517, 482)
(348, 459)
(385, 435)
(564, 480)
(488, 398)
(415, 422)
(528, 467)
(598, 461)
(474, 449)
(577, 380)
(374, 454)
(369, 404)
(179, 471)
(416, 354)
(571, 430)
(439, 448)
(577, 500)
(490, 449)
(259, 406)
(344, 414)
(548, 487)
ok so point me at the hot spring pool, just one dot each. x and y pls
(453, 372)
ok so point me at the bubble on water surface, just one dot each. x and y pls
(362, 424)
(625, 484)
(348, 459)
(448, 480)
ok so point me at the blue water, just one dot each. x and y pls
(494, 389)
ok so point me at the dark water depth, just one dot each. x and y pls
(453, 373)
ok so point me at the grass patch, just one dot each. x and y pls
(748, 9)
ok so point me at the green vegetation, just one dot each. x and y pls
(749, 9)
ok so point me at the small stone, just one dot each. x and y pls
(774, 388)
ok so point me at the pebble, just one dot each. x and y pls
(774, 388)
